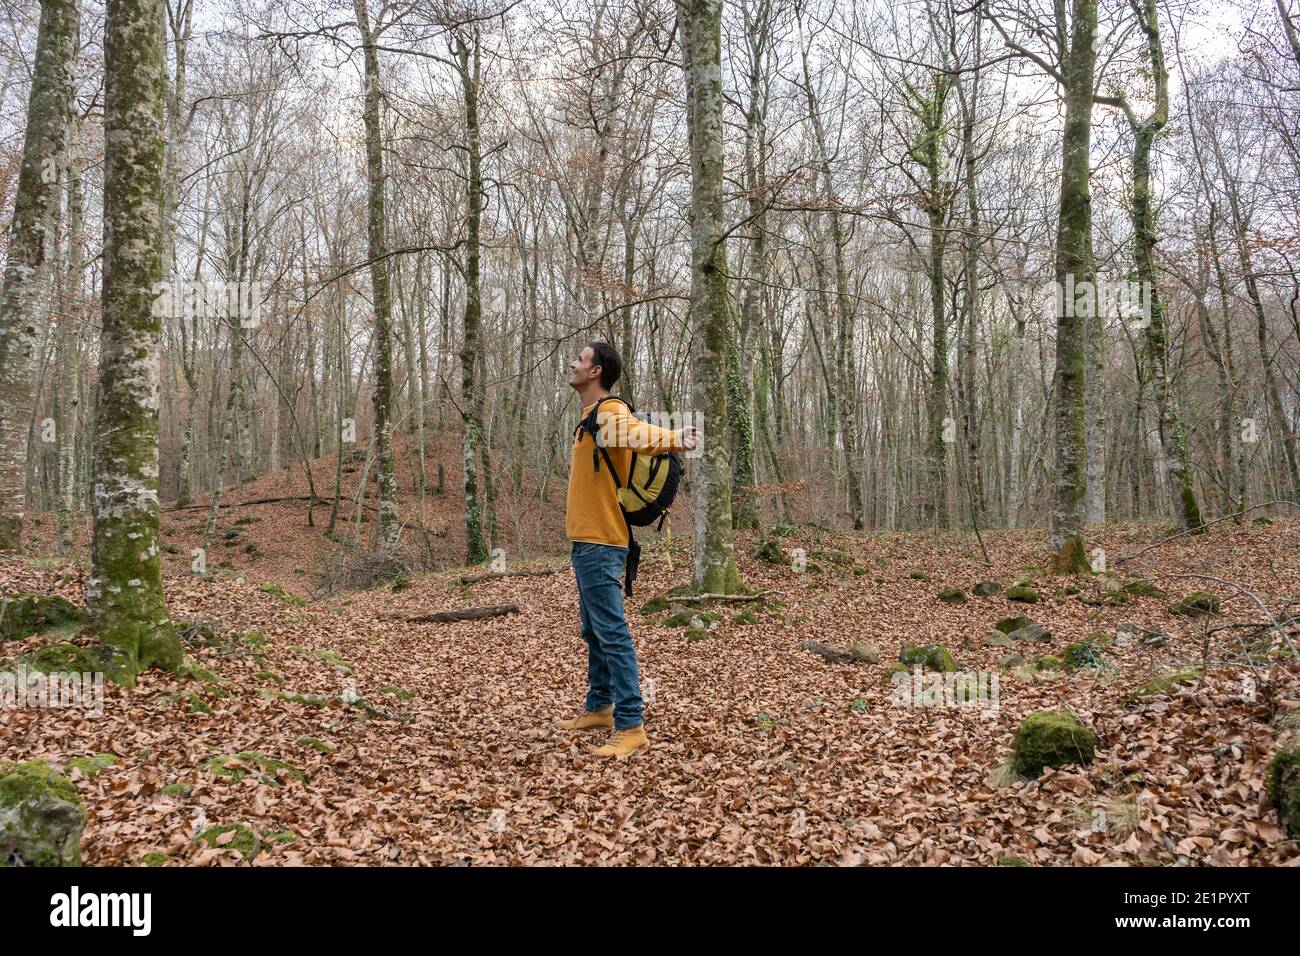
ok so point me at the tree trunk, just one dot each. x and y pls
(377, 248)
(24, 298)
(467, 61)
(1074, 225)
(125, 594)
(701, 42)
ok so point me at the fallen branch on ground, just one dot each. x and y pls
(830, 653)
(448, 617)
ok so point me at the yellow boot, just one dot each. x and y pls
(591, 720)
(625, 742)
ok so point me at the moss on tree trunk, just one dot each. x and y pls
(125, 594)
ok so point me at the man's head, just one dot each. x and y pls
(598, 365)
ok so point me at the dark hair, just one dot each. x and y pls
(611, 365)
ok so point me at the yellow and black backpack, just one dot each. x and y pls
(651, 486)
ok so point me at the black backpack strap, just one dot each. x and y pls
(633, 560)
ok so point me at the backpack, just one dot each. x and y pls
(651, 486)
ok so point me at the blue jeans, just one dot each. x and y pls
(612, 675)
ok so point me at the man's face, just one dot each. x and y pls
(581, 371)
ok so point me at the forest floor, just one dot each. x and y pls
(761, 752)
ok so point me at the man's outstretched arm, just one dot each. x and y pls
(619, 428)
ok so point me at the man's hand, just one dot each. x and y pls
(690, 436)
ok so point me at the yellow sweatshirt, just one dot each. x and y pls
(592, 513)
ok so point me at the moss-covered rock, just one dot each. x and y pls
(1051, 738)
(864, 653)
(996, 639)
(64, 658)
(1083, 654)
(245, 839)
(1140, 587)
(952, 596)
(1196, 604)
(190, 670)
(1023, 594)
(986, 589)
(933, 657)
(238, 766)
(1031, 632)
(694, 634)
(896, 668)
(392, 690)
(1014, 623)
(685, 618)
(41, 816)
(23, 615)
(919, 576)
(747, 616)
(1284, 788)
(1012, 661)
(771, 552)
(968, 687)
(90, 766)
(656, 605)
(1049, 662)
(1167, 683)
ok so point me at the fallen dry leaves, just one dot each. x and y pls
(759, 754)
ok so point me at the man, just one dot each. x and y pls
(595, 524)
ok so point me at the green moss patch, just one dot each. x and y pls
(684, 618)
(91, 766)
(64, 658)
(933, 657)
(1167, 683)
(952, 596)
(267, 769)
(22, 615)
(329, 657)
(41, 816)
(319, 746)
(1083, 654)
(1014, 623)
(279, 592)
(1051, 738)
(233, 836)
(1284, 788)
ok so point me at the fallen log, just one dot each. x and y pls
(830, 653)
(449, 617)
(523, 573)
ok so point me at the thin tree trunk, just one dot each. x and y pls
(24, 297)
(701, 43)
